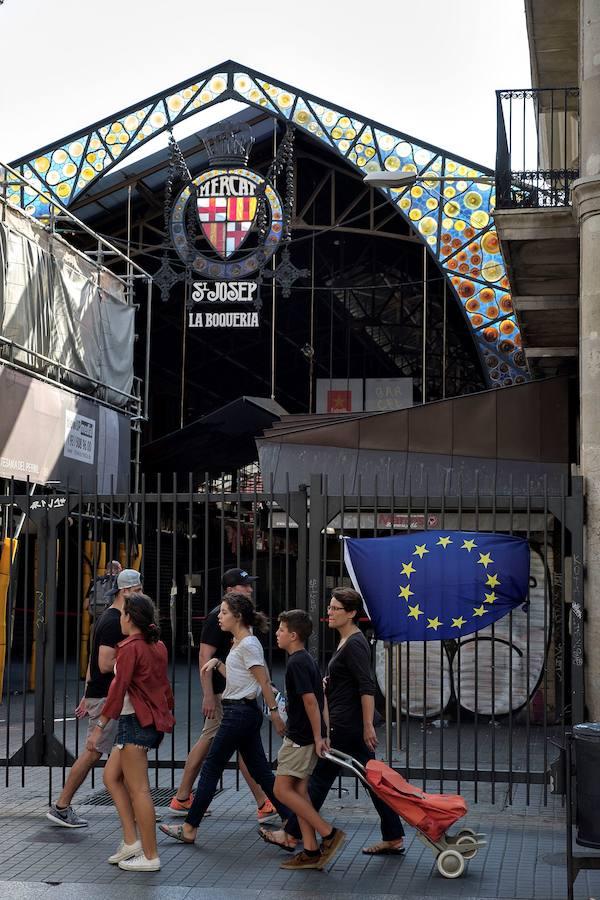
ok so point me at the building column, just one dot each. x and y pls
(586, 207)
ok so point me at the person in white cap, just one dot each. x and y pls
(100, 673)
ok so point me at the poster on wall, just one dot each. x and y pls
(84, 444)
(339, 395)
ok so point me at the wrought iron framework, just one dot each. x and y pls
(453, 219)
(537, 157)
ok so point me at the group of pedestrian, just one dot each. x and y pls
(129, 701)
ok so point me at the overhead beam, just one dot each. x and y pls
(533, 303)
(549, 352)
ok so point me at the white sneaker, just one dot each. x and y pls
(125, 851)
(140, 864)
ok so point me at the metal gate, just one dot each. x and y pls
(480, 709)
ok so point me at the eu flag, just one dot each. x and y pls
(437, 585)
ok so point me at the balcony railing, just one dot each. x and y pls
(537, 151)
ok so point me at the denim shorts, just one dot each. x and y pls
(131, 732)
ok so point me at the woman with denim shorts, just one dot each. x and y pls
(140, 697)
(245, 673)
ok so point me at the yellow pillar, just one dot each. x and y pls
(135, 561)
(7, 556)
(88, 576)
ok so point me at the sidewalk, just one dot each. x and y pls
(523, 861)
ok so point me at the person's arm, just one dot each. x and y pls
(106, 658)
(311, 707)
(260, 674)
(81, 708)
(206, 653)
(367, 701)
(116, 694)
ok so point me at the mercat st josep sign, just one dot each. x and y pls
(228, 245)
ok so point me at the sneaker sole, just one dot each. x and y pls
(115, 862)
(138, 868)
(178, 812)
(61, 822)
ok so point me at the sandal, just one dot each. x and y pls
(384, 848)
(268, 836)
(175, 832)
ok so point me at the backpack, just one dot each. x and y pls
(99, 598)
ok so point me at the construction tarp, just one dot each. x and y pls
(57, 302)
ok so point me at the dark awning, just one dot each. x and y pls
(221, 441)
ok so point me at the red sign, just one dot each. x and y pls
(339, 401)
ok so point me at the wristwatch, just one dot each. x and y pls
(274, 708)
(101, 725)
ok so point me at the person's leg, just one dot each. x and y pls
(193, 764)
(134, 761)
(319, 785)
(253, 752)
(222, 748)
(294, 793)
(80, 769)
(392, 831)
(257, 792)
(113, 781)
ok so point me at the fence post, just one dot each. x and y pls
(575, 518)
(316, 525)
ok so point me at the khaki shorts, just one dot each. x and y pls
(211, 726)
(109, 732)
(294, 760)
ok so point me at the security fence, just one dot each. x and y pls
(477, 709)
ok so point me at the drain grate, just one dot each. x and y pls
(160, 797)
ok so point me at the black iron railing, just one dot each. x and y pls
(537, 151)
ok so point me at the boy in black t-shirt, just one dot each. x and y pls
(305, 740)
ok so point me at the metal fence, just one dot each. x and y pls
(537, 155)
(479, 709)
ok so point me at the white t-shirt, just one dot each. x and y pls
(241, 683)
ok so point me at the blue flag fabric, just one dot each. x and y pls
(437, 585)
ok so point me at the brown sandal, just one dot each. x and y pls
(268, 836)
(384, 848)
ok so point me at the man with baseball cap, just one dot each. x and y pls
(217, 643)
(100, 673)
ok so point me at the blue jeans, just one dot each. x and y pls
(131, 732)
(322, 779)
(239, 730)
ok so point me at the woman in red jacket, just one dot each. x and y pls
(140, 697)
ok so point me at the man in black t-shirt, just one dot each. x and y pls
(216, 643)
(100, 673)
(304, 743)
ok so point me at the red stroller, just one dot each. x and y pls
(430, 814)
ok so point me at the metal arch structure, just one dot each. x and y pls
(453, 219)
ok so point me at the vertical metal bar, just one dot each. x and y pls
(425, 648)
(563, 618)
(158, 567)
(270, 589)
(577, 602)
(528, 661)
(443, 658)
(511, 513)
(9, 617)
(66, 614)
(148, 336)
(424, 348)
(408, 674)
(476, 636)
(458, 657)
(314, 561)
(79, 604)
(206, 541)
(191, 591)
(493, 722)
(389, 681)
(546, 641)
(173, 618)
(286, 593)
(444, 336)
(26, 601)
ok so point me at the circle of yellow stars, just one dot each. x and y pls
(408, 569)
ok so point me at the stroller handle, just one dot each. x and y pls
(347, 762)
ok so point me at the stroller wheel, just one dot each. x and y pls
(466, 832)
(466, 840)
(450, 864)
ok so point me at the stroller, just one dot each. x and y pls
(430, 814)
